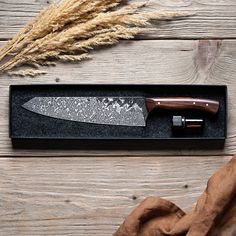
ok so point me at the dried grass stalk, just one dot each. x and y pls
(69, 30)
(27, 72)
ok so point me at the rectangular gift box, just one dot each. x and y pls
(31, 130)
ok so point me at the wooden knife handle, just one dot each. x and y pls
(182, 103)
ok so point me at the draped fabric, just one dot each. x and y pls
(213, 215)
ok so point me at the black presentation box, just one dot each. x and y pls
(31, 130)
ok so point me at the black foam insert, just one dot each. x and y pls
(29, 126)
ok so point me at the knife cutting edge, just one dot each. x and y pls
(127, 111)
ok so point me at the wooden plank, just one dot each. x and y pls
(211, 19)
(153, 62)
(91, 196)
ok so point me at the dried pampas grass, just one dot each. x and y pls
(67, 31)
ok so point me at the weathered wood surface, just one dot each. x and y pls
(59, 193)
(191, 61)
(211, 19)
(91, 196)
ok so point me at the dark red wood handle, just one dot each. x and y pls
(182, 103)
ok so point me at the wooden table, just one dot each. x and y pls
(90, 192)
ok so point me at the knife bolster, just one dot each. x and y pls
(181, 103)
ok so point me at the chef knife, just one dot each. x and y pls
(127, 111)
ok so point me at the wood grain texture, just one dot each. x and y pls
(91, 196)
(210, 106)
(60, 193)
(147, 61)
(210, 19)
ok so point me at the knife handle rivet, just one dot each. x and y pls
(158, 103)
(207, 104)
(194, 103)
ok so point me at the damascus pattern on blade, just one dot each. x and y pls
(128, 111)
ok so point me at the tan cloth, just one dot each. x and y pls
(214, 214)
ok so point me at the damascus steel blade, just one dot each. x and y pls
(127, 111)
